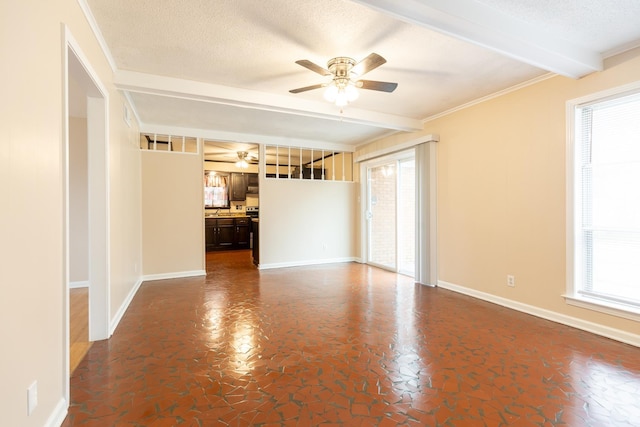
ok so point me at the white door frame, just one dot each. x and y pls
(76, 64)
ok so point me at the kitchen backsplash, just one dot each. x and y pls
(239, 207)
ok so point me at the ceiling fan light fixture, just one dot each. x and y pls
(341, 93)
(331, 93)
(341, 99)
(352, 92)
(343, 88)
(242, 160)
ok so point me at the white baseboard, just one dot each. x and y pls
(304, 263)
(585, 325)
(79, 284)
(176, 275)
(58, 415)
(123, 308)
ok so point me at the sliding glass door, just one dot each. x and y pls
(382, 215)
(407, 216)
(391, 214)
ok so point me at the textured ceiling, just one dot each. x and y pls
(242, 54)
(603, 25)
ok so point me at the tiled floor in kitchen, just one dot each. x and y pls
(343, 345)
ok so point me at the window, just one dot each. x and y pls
(172, 143)
(307, 163)
(604, 225)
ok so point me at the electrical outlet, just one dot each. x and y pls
(511, 281)
(32, 397)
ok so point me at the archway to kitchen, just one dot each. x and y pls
(231, 198)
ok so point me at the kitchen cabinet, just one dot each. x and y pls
(255, 224)
(252, 183)
(219, 233)
(238, 191)
(242, 232)
(226, 233)
(210, 233)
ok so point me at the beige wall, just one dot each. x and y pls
(172, 219)
(125, 255)
(78, 201)
(32, 309)
(314, 225)
(501, 191)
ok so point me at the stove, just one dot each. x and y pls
(252, 211)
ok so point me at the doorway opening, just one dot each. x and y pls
(85, 157)
(231, 199)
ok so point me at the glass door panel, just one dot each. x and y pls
(406, 216)
(382, 215)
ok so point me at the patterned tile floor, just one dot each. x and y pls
(343, 345)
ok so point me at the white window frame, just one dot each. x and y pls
(573, 208)
(324, 152)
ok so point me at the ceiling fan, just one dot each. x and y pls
(246, 156)
(244, 159)
(346, 77)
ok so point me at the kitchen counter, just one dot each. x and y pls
(225, 216)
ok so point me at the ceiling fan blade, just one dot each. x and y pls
(369, 63)
(374, 85)
(306, 88)
(313, 67)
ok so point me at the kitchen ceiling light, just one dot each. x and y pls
(242, 160)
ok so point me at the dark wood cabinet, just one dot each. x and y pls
(252, 183)
(238, 187)
(242, 232)
(226, 233)
(210, 226)
(255, 226)
(220, 233)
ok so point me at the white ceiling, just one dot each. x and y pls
(222, 69)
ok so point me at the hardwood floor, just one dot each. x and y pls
(343, 345)
(79, 326)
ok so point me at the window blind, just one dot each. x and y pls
(610, 200)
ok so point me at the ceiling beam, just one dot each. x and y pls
(482, 25)
(207, 92)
